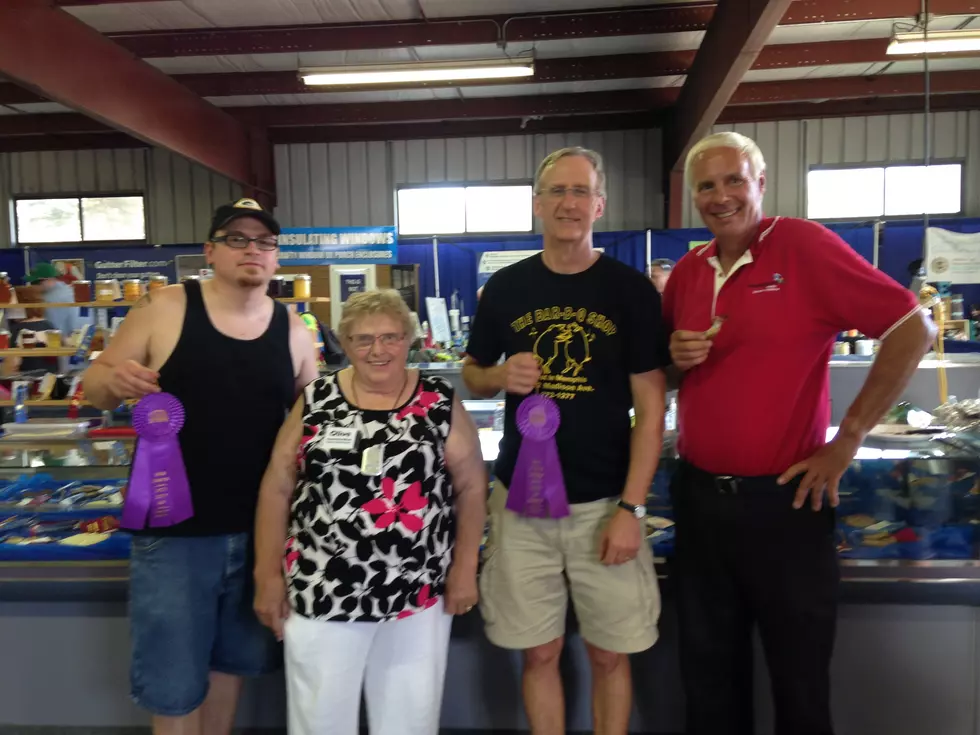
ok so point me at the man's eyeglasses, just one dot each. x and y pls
(578, 192)
(364, 342)
(240, 242)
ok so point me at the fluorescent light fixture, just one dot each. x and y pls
(416, 72)
(935, 42)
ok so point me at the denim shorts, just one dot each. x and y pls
(190, 613)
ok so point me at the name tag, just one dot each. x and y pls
(341, 439)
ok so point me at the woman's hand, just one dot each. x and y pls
(462, 592)
(271, 605)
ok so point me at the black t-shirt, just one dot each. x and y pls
(590, 331)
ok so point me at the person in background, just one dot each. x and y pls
(65, 319)
(917, 274)
(236, 360)
(585, 330)
(34, 321)
(659, 272)
(754, 315)
(381, 523)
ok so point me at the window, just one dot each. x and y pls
(80, 219)
(457, 210)
(891, 191)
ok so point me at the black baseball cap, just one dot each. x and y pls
(227, 213)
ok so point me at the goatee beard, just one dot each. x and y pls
(250, 281)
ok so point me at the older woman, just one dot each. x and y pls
(381, 520)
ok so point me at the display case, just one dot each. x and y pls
(909, 505)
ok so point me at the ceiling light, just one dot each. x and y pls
(420, 72)
(935, 42)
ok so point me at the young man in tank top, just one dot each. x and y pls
(236, 359)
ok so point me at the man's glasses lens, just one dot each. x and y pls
(240, 242)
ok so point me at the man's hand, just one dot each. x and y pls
(520, 374)
(129, 379)
(621, 539)
(823, 472)
(462, 592)
(688, 349)
(271, 605)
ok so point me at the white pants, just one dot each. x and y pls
(400, 664)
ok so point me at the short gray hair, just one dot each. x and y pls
(576, 150)
(386, 301)
(741, 143)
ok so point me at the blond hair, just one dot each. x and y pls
(385, 301)
(741, 143)
(576, 150)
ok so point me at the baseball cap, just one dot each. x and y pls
(41, 272)
(227, 213)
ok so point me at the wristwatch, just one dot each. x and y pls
(639, 511)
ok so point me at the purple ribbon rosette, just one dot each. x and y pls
(537, 489)
(159, 493)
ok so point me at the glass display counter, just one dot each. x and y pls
(909, 510)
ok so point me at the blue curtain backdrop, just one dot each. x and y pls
(900, 243)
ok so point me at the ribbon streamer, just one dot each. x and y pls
(537, 489)
(159, 493)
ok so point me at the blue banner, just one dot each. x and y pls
(117, 263)
(338, 246)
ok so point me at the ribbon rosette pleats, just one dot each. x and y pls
(537, 489)
(159, 493)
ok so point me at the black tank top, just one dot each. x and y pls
(236, 394)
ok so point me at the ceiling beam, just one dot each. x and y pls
(859, 106)
(833, 88)
(579, 69)
(57, 56)
(678, 18)
(492, 111)
(738, 32)
(457, 109)
(71, 142)
(559, 124)
(466, 128)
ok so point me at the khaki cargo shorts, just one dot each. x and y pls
(531, 565)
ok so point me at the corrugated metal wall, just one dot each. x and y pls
(791, 148)
(353, 184)
(180, 196)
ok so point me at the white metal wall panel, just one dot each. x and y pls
(354, 183)
(180, 197)
(791, 148)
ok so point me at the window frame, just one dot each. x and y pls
(885, 165)
(81, 220)
(465, 185)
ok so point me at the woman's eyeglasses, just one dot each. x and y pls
(364, 342)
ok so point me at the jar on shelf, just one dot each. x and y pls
(6, 290)
(302, 286)
(132, 289)
(105, 290)
(4, 339)
(156, 282)
(276, 287)
(287, 288)
(83, 291)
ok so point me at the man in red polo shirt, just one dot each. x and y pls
(753, 316)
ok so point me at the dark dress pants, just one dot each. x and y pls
(745, 557)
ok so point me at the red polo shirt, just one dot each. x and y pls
(761, 401)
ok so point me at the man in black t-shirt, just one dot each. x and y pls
(585, 330)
